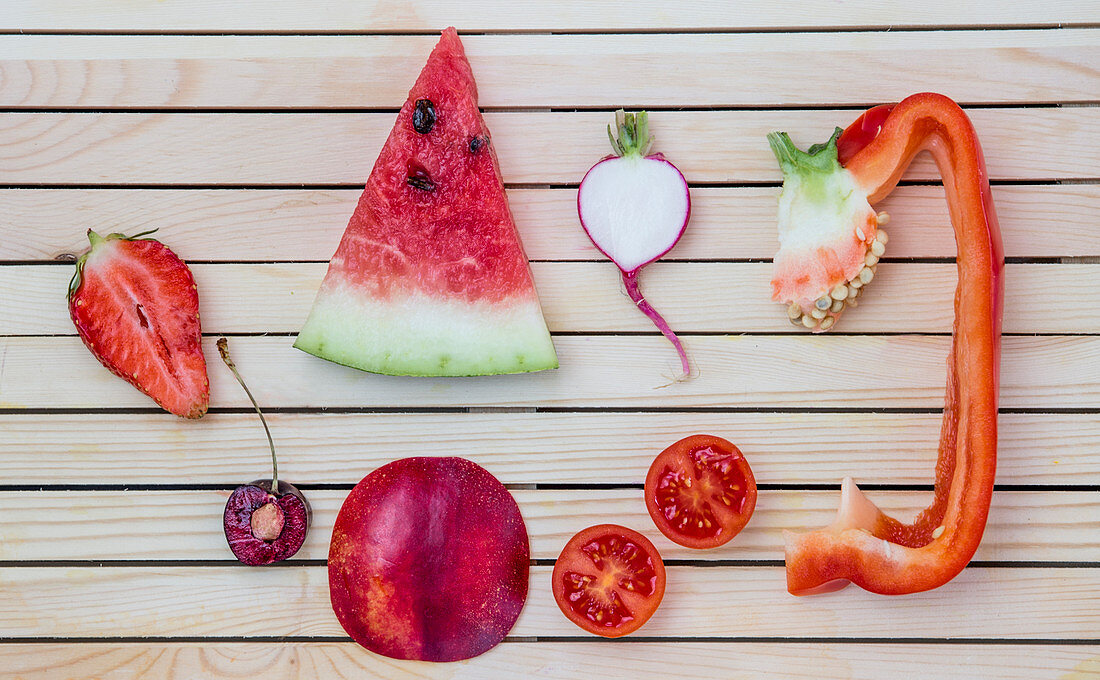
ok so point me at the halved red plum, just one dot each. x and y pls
(429, 560)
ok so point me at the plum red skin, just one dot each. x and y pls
(429, 560)
(236, 521)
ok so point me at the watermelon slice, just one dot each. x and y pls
(430, 277)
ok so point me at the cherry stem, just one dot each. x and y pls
(223, 349)
(631, 281)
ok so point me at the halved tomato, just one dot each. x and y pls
(609, 580)
(700, 491)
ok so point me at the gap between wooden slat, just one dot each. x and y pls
(609, 110)
(639, 31)
(279, 660)
(567, 639)
(496, 15)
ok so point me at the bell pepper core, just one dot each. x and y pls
(864, 546)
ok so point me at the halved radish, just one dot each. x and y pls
(635, 206)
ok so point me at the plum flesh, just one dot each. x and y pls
(429, 560)
(262, 527)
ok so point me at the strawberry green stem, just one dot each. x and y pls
(95, 239)
(634, 138)
(223, 349)
(631, 281)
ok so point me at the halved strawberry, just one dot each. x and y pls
(136, 307)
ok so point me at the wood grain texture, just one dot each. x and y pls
(588, 298)
(768, 69)
(552, 660)
(984, 603)
(1024, 526)
(432, 15)
(227, 449)
(332, 148)
(273, 225)
(596, 371)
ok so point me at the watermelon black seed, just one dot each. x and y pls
(424, 116)
(477, 142)
(421, 182)
(418, 177)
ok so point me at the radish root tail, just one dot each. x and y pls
(630, 279)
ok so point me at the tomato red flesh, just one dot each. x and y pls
(680, 506)
(624, 564)
(626, 559)
(729, 491)
(609, 580)
(597, 604)
(700, 491)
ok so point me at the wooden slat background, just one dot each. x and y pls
(734, 222)
(372, 16)
(243, 131)
(261, 72)
(339, 148)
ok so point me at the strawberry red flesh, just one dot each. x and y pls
(136, 307)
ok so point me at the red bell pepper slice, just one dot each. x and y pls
(864, 546)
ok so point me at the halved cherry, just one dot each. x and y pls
(609, 580)
(700, 491)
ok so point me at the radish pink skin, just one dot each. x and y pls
(659, 157)
(429, 560)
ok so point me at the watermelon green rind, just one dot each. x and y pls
(427, 336)
(430, 277)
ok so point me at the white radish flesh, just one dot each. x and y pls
(635, 207)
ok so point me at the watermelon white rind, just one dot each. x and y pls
(427, 336)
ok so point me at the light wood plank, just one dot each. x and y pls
(326, 148)
(277, 225)
(767, 69)
(524, 448)
(431, 15)
(703, 660)
(221, 601)
(596, 371)
(588, 297)
(1024, 526)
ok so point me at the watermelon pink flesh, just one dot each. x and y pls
(432, 282)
